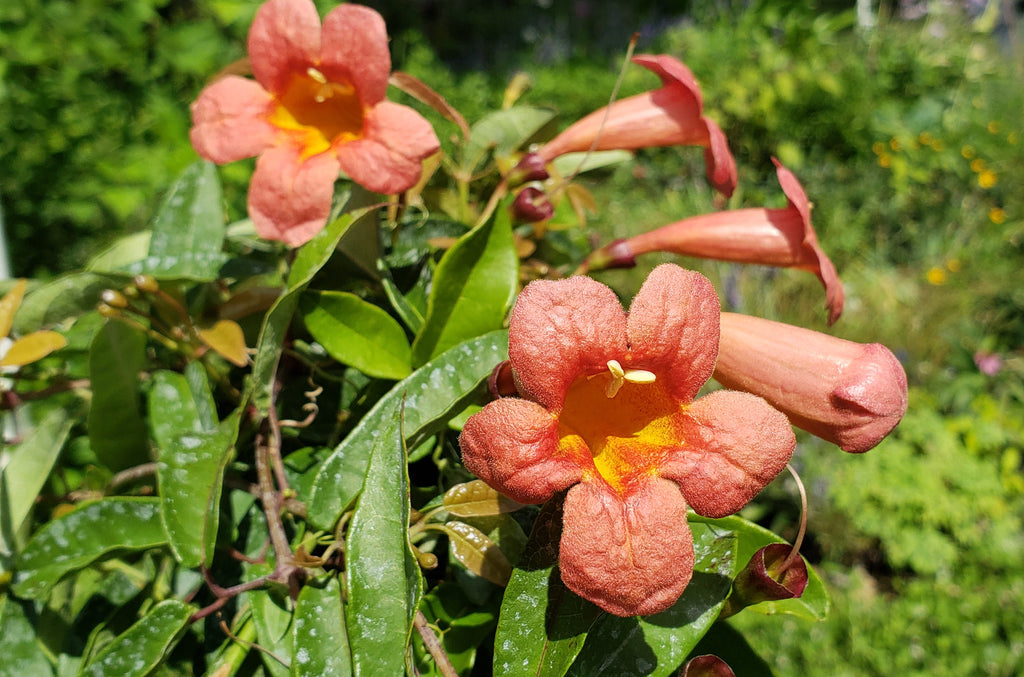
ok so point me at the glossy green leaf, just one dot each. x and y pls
(117, 430)
(543, 624)
(144, 645)
(475, 499)
(172, 411)
(272, 616)
(309, 259)
(812, 605)
(659, 644)
(188, 230)
(27, 468)
(190, 475)
(65, 297)
(432, 394)
(21, 647)
(358, 333)
(473, 287)
(581, 162)
(319, 637)
(382, 575)
(75, 540)
(124, 252)
(202, 396)
(504, 131)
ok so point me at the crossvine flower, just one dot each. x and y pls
(317, 106)
(607, 411)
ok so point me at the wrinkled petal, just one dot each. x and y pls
(229, 120)
(630, 555)
(560, 330)
(673, 329)
(284, 40)
(289, 199)
(389, 157)
(512, 445)
(848, 393)
(355, 50)
(736, 444)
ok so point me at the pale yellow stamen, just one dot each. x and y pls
(316, 75)
(621, 376)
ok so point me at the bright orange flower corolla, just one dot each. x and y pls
(316, 107)
(607, 411)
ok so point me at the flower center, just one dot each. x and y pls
(324, 112)
(624, 418)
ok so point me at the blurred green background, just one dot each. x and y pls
(904, 123)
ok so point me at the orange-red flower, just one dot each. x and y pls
(848, 393)
(773, 237)
(607, 411)
(668, 116)
(316, 107)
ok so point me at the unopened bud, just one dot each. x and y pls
(107, 311)
(707, 665)
(616, 254)
(532, 205)
(502, 382)
(531, 168)
(764, 579)
(146, 283)
(114, 298)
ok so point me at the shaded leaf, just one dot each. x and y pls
(319, 637)
(504, 131)
(475, 499)
(432, 394)
(358, 333)
(20, 645)
(226, 339)
(144, 645)
(478, 553)
(462, 627)
(65, 297)
(75, 540)
(272, 616)
(473, 287)
(32, 347)
(382, 575)
(117, 431)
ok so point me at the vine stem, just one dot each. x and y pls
(433, 644)
(795, 551)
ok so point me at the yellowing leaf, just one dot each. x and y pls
(9, 305)
(476, 499)
(227, 340)
(478, 553)
(32, 347)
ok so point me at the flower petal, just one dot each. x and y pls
(560, 330)
(629, 555)
(284, 40)
(721, 165)
(289, 198)
(673, 329)
(355, 50)
(511, 445)
(737, 443)
(388, 159)
(229, 120)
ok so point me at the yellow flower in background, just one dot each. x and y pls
(1011, 138)
(895, 144)
(878, 148)
(885, 160)
(993, 127)
(997, 215)
(987, 178)
(968, 152)
(936, 276)
(953, 265)
(977, 165)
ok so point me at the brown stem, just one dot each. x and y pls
(131, 474)
(12, 399)
(433, 644)
(795, 552)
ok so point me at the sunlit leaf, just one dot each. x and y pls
(357, 333)
(9, 305)
(320, 639)
(32, 347)
(21, 647)
(475, 498)
(382, 575)
(76, 539)
(144, 645)
(226, 339)
(117, 430)
(478, 553)
(432, 393)
(65, 297)
(504, 131)
(473, 288)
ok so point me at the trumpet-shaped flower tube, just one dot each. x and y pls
(848, 393)
(773, 237)
(607, 412)
(668, 116)
(316, 107)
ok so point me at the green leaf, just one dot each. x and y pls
(190, 476)
(473, 287)
(172, 411)
(27, 470)
(123, 252)
(357, 333)
(504, 131)
(188, 230)
(659, 644)
(320, 639)
(21, 647)
(812, 605)
(202, 396)
(117, 430)
(65, 297)
(463, 627)
(566, 164)
(272, 615)
(75, 540)
(477, 552)
(309, 259)
(432, 394)
(143, 646)
(382, 576)
(475, 499)
(543, 624)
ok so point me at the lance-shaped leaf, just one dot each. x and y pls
(117, 431)
(75, 540)
(432, 394)
(20, 644)
(144, 645)
(383, 577)
(56, 301)
(272, 615)
(478, 553)
(472, 289)
(357, 333)
(504, 131)
(476, 499)
(320, 639)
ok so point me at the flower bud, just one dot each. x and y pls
(530, 168)
(706, 666)
(764, 580)
(532, 205)
(114, 298)
(146, 283)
